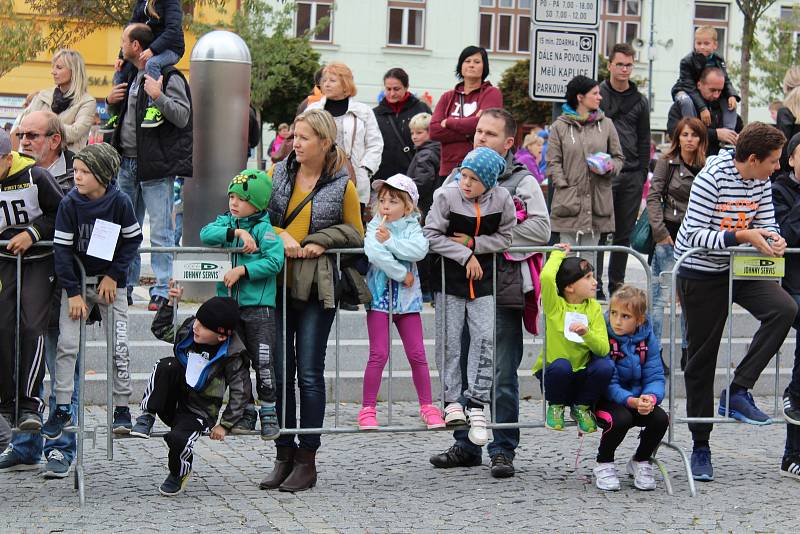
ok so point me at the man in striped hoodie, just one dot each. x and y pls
(730, 204)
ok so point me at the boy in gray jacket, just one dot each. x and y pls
(469, 221)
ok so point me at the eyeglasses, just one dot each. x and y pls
(624, 66)
(32, 136)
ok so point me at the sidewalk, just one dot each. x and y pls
(383, 483)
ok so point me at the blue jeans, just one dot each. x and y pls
(508, 356)
(155, 196)
(564, 386)
(663, 261)
(307, 327)
(729, 116)
(793, 389)
(29, 445)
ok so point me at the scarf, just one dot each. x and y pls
(60, 102)
(397, 107)
(594, 116)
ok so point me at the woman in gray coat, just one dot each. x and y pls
(582, 206)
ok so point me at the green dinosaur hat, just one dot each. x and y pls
(253, 186)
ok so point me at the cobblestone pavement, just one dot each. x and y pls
(384, 483)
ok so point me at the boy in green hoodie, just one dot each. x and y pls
(251, 281)
(577, 371)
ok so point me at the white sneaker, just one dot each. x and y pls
(642, 473)
(478, 434)
(454, 414)
(605, 477)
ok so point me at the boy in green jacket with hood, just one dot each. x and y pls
(251, 281)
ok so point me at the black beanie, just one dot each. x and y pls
(570, 271)
(794, 142)
(219, 314)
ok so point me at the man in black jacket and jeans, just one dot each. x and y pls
(630, 112)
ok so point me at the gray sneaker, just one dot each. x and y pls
(11, 461)
(30, 422)
(57, 466)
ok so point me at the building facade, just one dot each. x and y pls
(425, 38)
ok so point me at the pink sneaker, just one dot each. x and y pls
(431, 416)
(367, 419)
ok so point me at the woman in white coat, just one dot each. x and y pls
(357, 131)
(69, 99)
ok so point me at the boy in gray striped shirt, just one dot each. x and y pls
(730, 204)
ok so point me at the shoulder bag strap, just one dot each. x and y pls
(296, 211)
(406, 148)
(665, 192)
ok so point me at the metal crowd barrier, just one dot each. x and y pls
(80, 432)
(673, 419)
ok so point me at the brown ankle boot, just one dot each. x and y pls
(284, 462)
(304, 474)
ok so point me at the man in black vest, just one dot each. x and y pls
(710, 87)
(152, 157)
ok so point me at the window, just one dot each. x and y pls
(309, 14)
(716, 16)
(406, 24)
(524, 34)
(505, 26)
(620, 23)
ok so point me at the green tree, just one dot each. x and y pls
(773, 53)
(283, 65)
(752, 10)
(21, 37)
(514, 86)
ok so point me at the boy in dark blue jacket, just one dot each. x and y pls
(634, 393)
(96, 224)
(786, 199)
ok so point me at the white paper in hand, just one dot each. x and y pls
(195, 363)
(103, 241)
(571, 318)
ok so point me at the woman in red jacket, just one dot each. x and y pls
(457, 112)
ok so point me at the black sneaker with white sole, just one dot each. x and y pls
(502, 466)
(11, 461)
(144, 426)
(30, 422)
(173, 484)
(122, 421)
(790, 467)
(791, 409)
(57, 465)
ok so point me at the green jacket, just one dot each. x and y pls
(555, 309)
(257, 286)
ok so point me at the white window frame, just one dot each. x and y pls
(404, 27)
(718, 24)
(620, 25)
(727, 7)
(511, 34)
(313, 17)
(519, 30)
(499, 4)
(491, 30)
(623, 29)
(617, 13)
(638, 11)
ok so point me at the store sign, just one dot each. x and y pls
(200, 270)
(758, 267)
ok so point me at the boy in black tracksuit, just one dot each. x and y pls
(186, 390)
(29, 199)
(786, 198)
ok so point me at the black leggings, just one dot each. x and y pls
(616, 420)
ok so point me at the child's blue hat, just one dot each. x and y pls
(487, 165)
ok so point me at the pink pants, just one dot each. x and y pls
(409, 325)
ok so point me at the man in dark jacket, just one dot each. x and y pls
(630, 113)
(710, 87)
(496, 130)
(152, 157)
(786, 199)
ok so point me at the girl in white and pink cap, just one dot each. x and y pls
(393, 244)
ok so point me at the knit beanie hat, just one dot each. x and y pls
(254, 186)
(103, 161)
(794, 142)
(487, 165)
(570, 271)
(219, 314)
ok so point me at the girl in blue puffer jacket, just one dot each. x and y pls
(393, 244)
(634, 393)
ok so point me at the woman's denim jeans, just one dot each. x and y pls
(663, 261)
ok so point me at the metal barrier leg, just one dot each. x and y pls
(17, 341)
(336, 379)
(81, 415)
(389, 337)
(109, 382)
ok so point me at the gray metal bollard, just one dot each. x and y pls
(220, 84)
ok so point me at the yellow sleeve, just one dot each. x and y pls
(550, 296)
(597, 337)
(352, 208)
